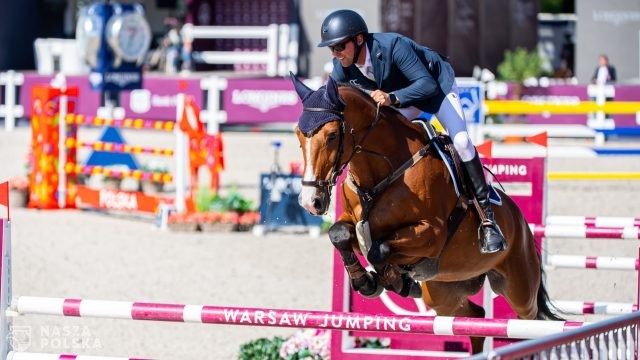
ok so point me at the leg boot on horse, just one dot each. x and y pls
(365, 282)
(390, 276)
(490, 236)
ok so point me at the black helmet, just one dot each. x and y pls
(339, 25)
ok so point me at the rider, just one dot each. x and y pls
(412, 78)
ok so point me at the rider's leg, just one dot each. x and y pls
(452, 118)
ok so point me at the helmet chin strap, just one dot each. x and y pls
(356, 49)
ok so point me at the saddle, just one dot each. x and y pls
(447, 152)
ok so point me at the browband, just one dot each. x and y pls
(336, 112)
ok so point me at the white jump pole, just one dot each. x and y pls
(5, 286)
(181, 158)
(61, 82)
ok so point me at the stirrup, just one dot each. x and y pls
(500, 243)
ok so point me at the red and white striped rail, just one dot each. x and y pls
(594, 307)
(44, 356)
(594, 221)
(435, 325)
(129, 123)
(593, 262)
(585, 232)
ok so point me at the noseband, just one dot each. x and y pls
(337, 167)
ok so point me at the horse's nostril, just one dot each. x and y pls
(317, 204)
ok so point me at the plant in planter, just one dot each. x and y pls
(305, 344)
(263, 349)
(150, 186)
(183, 222)
(220, 214)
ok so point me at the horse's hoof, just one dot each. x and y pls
(415, 291)
(410, 288)
(368, 285)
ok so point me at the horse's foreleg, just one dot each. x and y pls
(366, 283)
(390, 275)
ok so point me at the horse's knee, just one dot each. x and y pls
(340, 235)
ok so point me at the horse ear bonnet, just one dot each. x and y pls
(326, 97)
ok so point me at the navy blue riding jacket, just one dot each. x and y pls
(417, 75)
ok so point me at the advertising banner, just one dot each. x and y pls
(261, 101)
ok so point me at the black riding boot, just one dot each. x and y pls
(490, 236)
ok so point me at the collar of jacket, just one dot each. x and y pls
(377, 60)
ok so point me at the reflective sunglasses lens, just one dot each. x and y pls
(338, 47)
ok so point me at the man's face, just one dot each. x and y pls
(344, 51)
(603, 61)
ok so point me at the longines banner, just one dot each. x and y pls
(261, 101)
(273, 100)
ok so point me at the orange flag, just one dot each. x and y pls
(4, 196)
(219, 152)
(540, 139)
(189, 122)
(486, 149)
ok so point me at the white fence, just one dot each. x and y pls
(280, 57)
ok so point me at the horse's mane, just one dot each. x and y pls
(386, 110)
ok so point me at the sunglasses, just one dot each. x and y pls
(339, 47)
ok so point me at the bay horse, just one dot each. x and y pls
(397, 198)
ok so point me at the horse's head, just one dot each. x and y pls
(320, 131)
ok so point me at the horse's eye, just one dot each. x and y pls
(332, 136)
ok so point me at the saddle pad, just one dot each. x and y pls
(494, 196)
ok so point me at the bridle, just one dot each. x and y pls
(367, 196)
(337, 166)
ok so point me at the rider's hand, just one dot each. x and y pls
(381, 97)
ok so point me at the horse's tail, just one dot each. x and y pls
(546, 310)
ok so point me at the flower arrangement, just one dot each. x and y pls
(307, 344)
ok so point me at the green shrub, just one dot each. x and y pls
(261, 349)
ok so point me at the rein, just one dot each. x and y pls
(337, 167)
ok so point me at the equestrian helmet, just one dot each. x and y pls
(340, 25)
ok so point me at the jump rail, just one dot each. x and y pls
(205, 314)
(118, 147)
(586, 232)
(44, 356)
(72, 168)
(593, 262)
(130, 123)
(593, 221)
(595, 307)
(609, 339)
